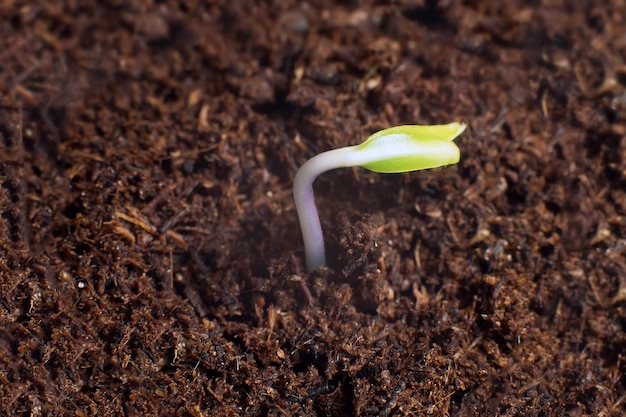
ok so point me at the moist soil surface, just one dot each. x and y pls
(152, 262)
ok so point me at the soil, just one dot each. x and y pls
(151, 258)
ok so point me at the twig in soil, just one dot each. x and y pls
(137, 220)
(394, 150)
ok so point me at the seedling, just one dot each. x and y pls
(394, 150)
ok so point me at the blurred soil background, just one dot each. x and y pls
(151, 261)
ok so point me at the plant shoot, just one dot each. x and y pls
(394, 150)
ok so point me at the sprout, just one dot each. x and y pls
(393, 150)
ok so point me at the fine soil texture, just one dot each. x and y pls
(151, 259)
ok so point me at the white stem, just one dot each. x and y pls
(305, 200)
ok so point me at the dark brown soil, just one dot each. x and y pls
(151, 259)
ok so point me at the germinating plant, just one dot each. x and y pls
(394, 150)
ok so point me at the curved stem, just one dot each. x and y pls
(304, 198)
